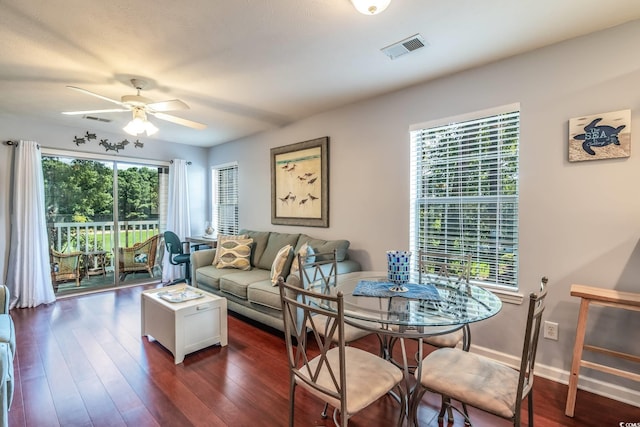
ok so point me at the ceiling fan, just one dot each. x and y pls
(141, 106)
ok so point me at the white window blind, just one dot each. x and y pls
(464, 193)
(225, 198)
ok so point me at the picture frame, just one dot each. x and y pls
(600, 136)
(300, 183)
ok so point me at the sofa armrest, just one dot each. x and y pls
(4, 299)
(202, 258)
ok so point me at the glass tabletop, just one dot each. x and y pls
(446, 303)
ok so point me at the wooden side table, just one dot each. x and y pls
(95, 263)
(603, 297)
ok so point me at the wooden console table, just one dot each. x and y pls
(603, 297)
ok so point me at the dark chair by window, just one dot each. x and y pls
(178, 255)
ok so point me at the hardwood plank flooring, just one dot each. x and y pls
(82, 362)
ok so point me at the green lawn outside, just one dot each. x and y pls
(102, 241)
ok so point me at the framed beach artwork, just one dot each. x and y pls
(300, 183)
(600, 136)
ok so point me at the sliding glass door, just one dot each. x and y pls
(139, 190)
(103, 221)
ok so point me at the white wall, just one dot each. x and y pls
(579, 222)
(60, 137)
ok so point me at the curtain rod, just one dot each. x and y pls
(171, 161)
(13, 143)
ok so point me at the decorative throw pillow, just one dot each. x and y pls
(220, 241)
(279, 262)
(235, 254)
(306, 252)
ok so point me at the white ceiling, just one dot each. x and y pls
(245, 66)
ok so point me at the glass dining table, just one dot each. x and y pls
(438, 305)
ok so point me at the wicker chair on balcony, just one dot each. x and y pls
(139, 257)
(64, 267)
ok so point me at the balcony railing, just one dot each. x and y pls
(99, 236)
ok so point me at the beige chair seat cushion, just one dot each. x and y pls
(446, 340)
(476, 380)
(369, 377)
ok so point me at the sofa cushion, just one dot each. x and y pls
(237, 284)
(223, 238)
(278, 264)
(325, 246)
(210, 275)
(265, 294)
(235, 254)
(260, 239)
(276, 242)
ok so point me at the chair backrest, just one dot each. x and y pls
(303, 363)
(318, 272)
(172, 242)
(450, 269)
(530, 347)
(65, 262)
(153, 249)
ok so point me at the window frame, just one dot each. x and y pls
(222, 224)
(418, 134)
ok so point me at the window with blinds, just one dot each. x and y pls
(464, 192)
(225, 198)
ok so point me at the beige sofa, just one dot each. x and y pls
(251, 293)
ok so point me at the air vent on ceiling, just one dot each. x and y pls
(405, 46)
(100, 119)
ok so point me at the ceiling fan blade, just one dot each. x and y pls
(95, 94)
(110, 110)
(169, 105)
(180, 121)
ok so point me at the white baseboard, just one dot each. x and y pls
(601, 388)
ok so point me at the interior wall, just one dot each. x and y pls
(579, 222)
(61, 137)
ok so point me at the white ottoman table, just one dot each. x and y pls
(184, 319)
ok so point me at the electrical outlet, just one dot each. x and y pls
(551, 330)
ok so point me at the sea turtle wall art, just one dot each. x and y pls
(601, 136)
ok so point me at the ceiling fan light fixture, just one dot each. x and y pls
(140, 124)
(370, 7)
(150, 129)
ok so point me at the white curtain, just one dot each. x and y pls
(177, 215)
(28, 275)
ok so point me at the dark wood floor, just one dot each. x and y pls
(82, 362)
